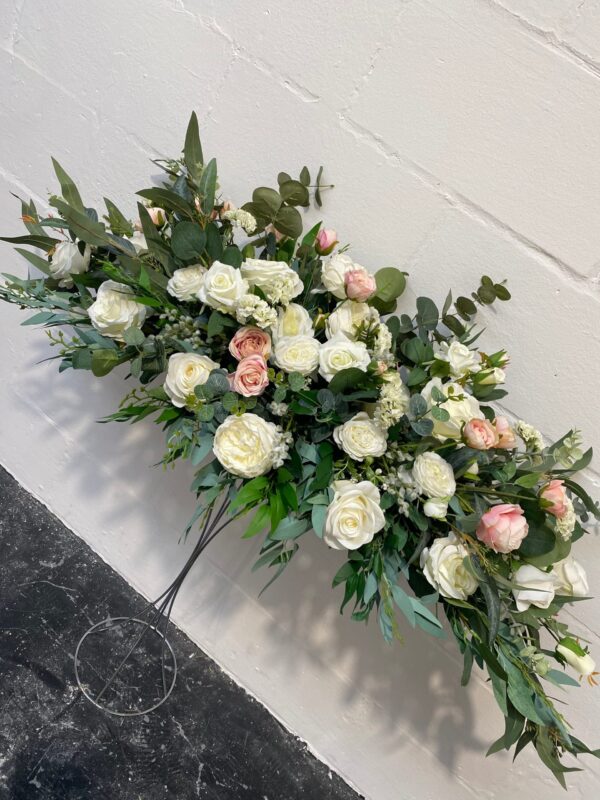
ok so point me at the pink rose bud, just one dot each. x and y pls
(360, 285)
(507, 438)
(555, 494)
(325, 242)
(480, 434)
(158, 216)
(503, 528)
(250, 341)
(250, 378)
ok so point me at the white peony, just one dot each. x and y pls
(360, 437)
(348, 316)
(460, 406)
(293, 320)
(67, 261)
(223, 287)
(570, 578)
(443, 566)
(297, 354)
(186, 371)
(536, 588)
(279, 282)
(340, 353)
(333, 273)
(354, 515)
(185, 283)
(113, 311)
(433, 476)
(459, 358)
(248, 445)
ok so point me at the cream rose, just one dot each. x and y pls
(113, 311)
(340, 353)
(461, 407)
(354, 515)
(293, 320)
(536, 588)
(279, 282)
(333, 273)
(459, 358)
(66, 261)
(348, 316)
(433, 476)
(443, 566)
(223, 287)
(247, 445)
(360, 437)
(185, 283)
(570, 578)
(184, 372)
(297, 354)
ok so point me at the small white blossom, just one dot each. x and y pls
(565, 525)
(530, 435)
(383, 341)
(241, 219)
(393, 400)
(278, 409)
(282, 448)
(252, 307)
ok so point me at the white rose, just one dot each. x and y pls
(185, 283)
(437, 509)
(459, 358)
(492, 377)
(66, 261)
(247, 445)
(433, 476)
(184, 373)
(576, 657)
(348, 316)
(297, 354)
(537, 588)
(223, 287)
(279, 282)
(334, 271)
(354, 515)
(360, 437)
(443, 566)
(570, 578)
(460, 410)
(340, 353)
(293, 320)
(113, 312)
(138, 240)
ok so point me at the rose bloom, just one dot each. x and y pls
(157, 215)
(66, 261)
(536, 587)
(346, 318)
(247, 445)
(460, 410)
(297, 354)
(360, 437)
(507, 439)
(555, 494)
(360, 284)
(444, 568)
(250, 341)
(185, 371)
(480, 434)
(223, 287)
(186, 282)
(354, 515)
(340, 353)
(570, 578)
(333, 273)
(433, 476)
(114, 311)
(250, 378)
(503, 527)
(325, 242)
(293, 320)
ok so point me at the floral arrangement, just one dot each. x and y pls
(275, 364)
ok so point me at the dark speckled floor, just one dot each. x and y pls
(211, 740)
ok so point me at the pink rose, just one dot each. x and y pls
(250, 378)
(250, 341)
(325, 242)
(503, 528)
(507, 439)
(480, 434)
(158, 216)
(554, 493)
(360, 285)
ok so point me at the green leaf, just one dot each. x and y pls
(207, 186)
(346, 379)
(202, 449)
(289, 222)
(489, 589)
(188, 241)
(68, 188)
(268, 201)
(289, 528)
(33, 258)
(103, 361)
(305, 176)
(42, 242)
(318, 515)
(192, 149)
(167, 199)
(119, 224)
(390, 284)
(134, 337)
(540, 540)
(258, 523)
(294, 193)
(528, 481)
(250, 493)
(427, 313)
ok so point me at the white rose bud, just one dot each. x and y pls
(279, 282)
(436, 509)
(444, 568)
(333, 273)
(67, 261)
(293, 320)
(138, 240)
(536, 588)
(185, 283)
(186, 371)
(340, 353)
(223, 287)
(348, 316)
(570, 578)
(113, 311)
(297, 354)
(248, 445)
(459, 358)
(433, 476)
(360, 437)
(460, 411)
(354, 515)
(576, 657)
(492, 377)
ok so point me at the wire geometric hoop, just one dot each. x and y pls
(122, 692)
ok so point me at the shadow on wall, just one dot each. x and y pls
(415, 686)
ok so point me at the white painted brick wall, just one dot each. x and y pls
(463, 137)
